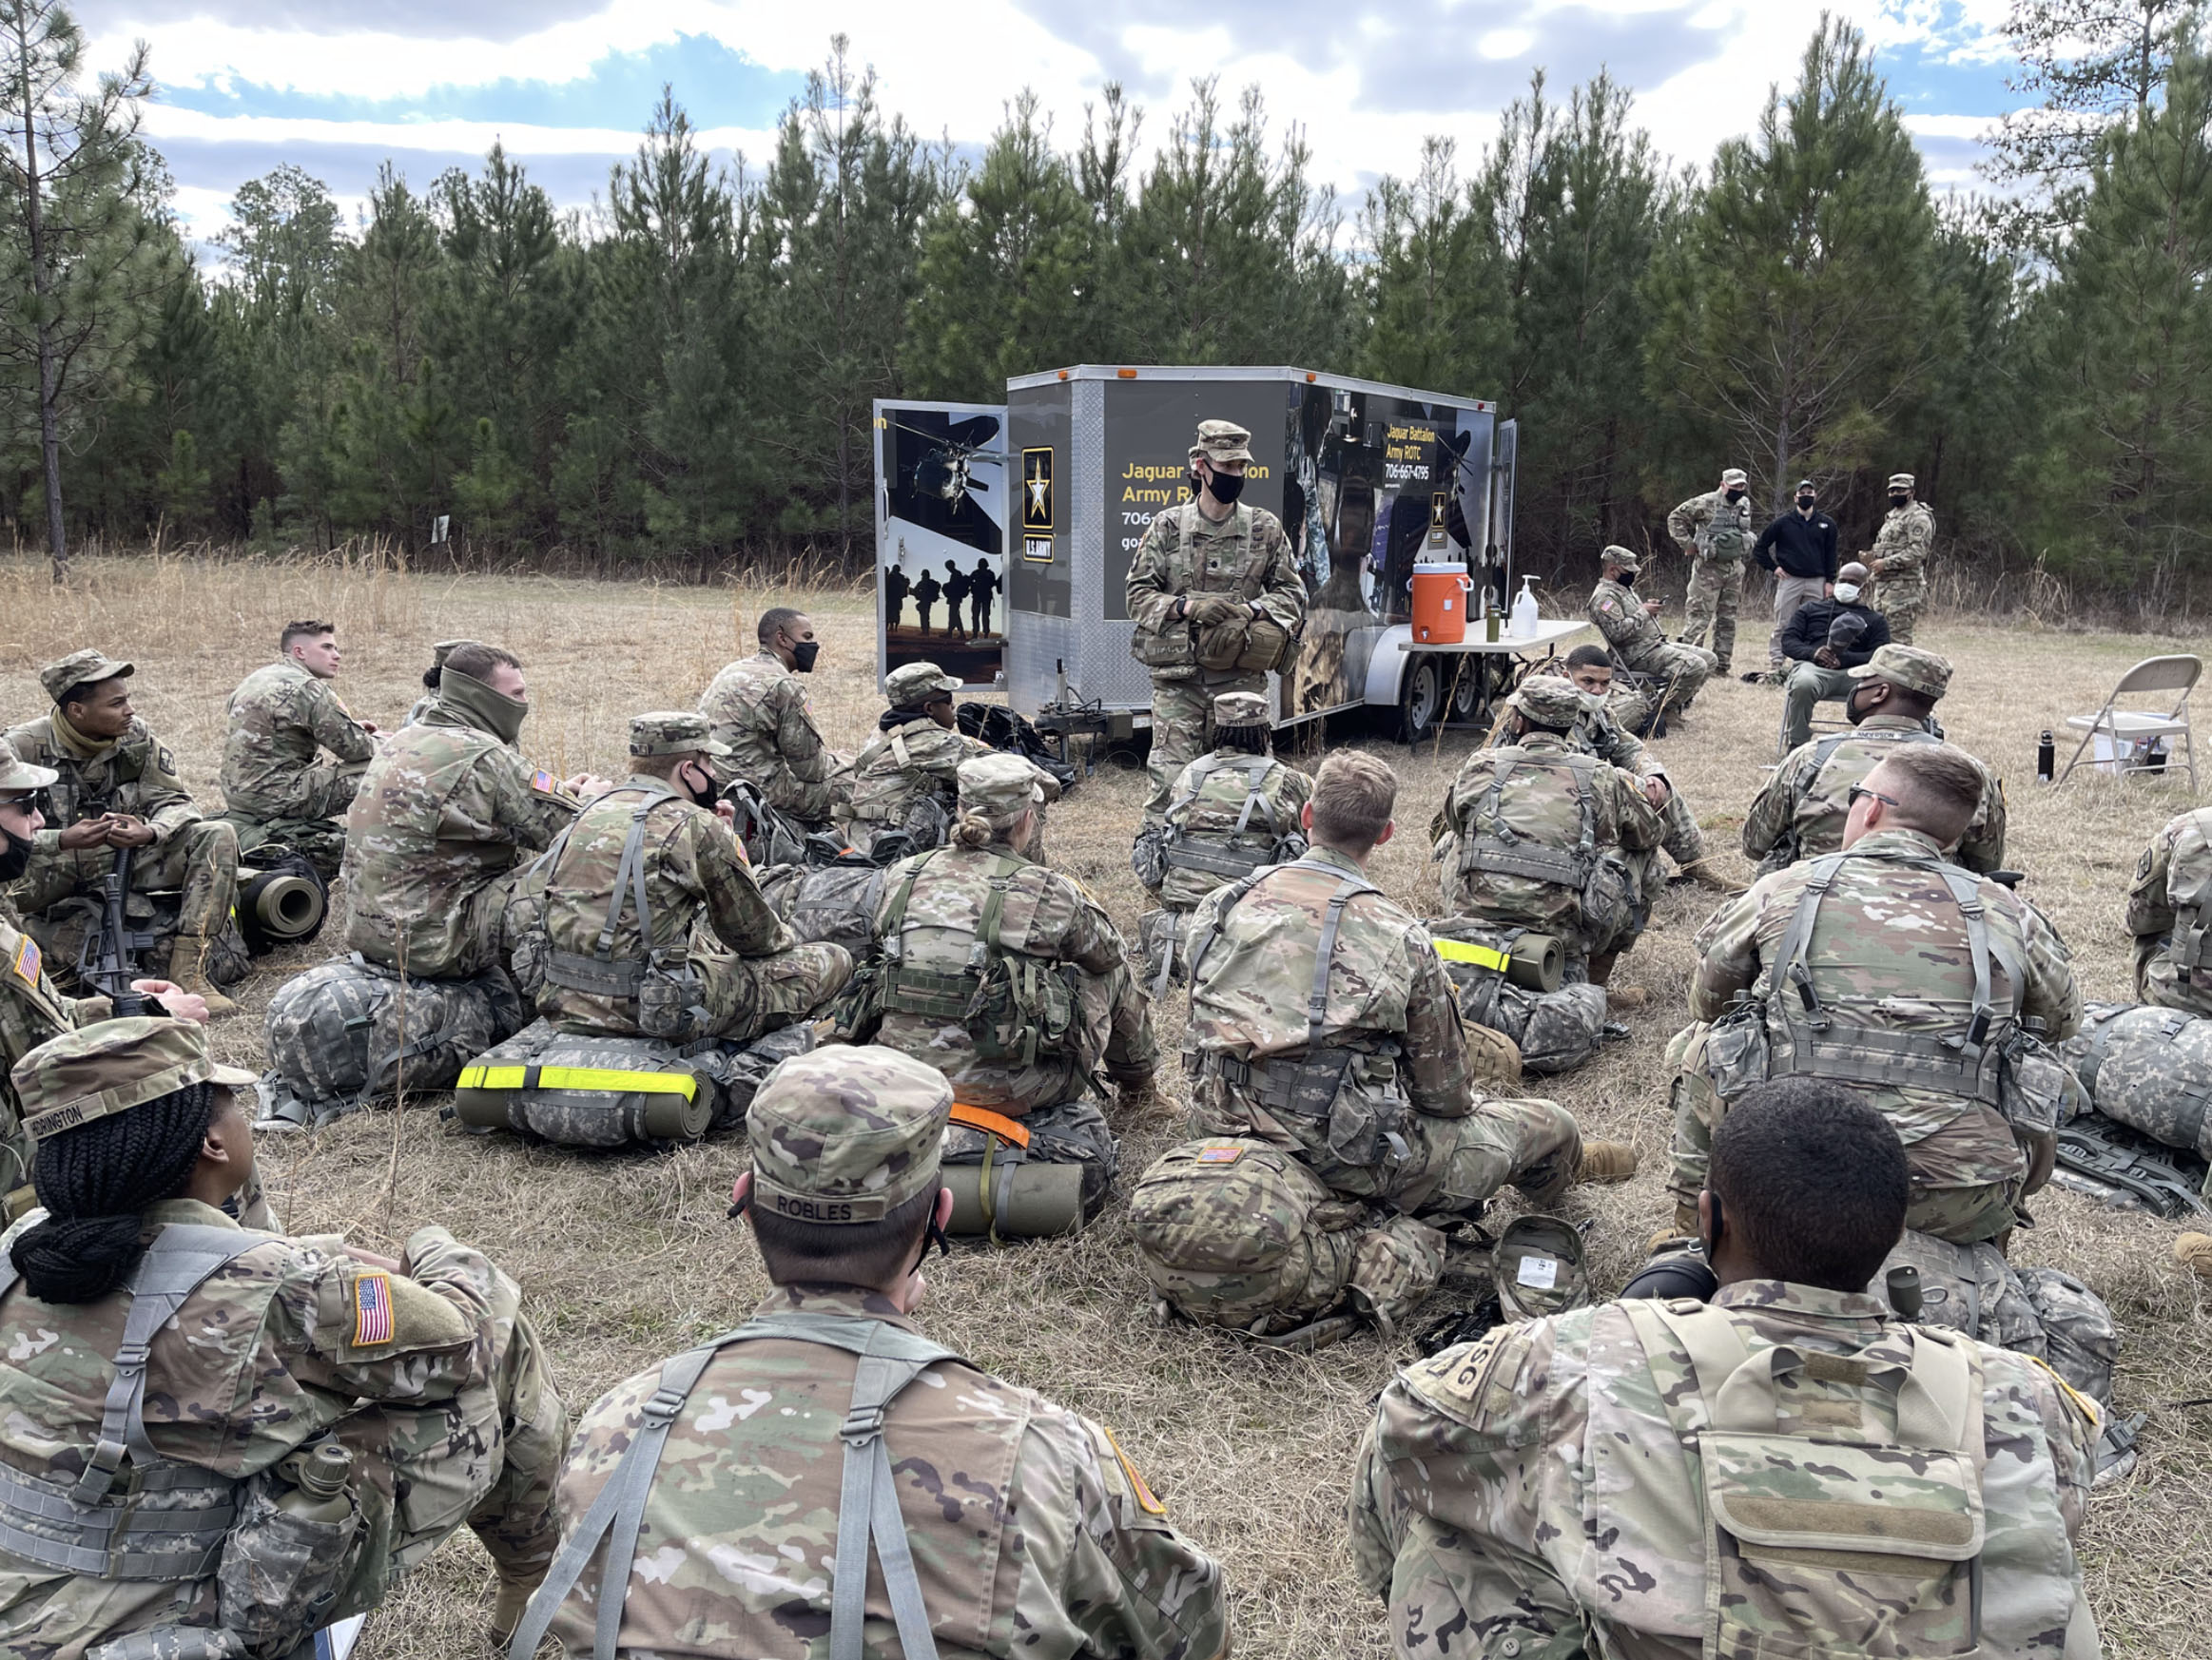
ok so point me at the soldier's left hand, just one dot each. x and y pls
(584, 786)
(130, 832)
(726, 812)
(177, 1004)
(1656, 790)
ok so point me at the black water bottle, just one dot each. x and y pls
(2045, 758)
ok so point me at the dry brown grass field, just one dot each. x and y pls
(628, 1258)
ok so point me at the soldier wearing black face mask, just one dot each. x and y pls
(761, 713)
(1899, 559)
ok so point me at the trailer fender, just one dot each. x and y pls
(1386, 664)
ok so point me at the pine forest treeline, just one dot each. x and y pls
(682, 374)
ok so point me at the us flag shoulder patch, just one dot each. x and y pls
(542, 781)
(27, 962)
(372, 1309)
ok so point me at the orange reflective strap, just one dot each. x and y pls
(997, 1124)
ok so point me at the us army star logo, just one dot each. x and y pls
(1037, 504)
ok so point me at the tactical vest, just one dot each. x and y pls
(886, 781)
(867, 1508)
(1312, 1083)
(1833, 1539)
(1170, 644)
(661, 991)
(1501, 837)
(1727, 533)
(75, 799)
(1228, 854)
(1015, 1007)
(1817, 803)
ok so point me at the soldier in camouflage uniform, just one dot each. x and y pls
(1322, 1024)
(1908, 979)
(1539, 834)
(906, 776)
(118, 787)
(1715, 531)
(1001, 1525)
(1799, 811)
(1631, 629)
(2169, 912)
(31, 1008)
(1200, 566)
(259, 1348)
(282, 715)
(758, 708)
(1899, 560)
(1585, 1482)
(444, 816)
(1057, 998)
(1601, 732)
(737, 972)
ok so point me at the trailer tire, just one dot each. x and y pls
(1420, 699)
(1469, 681)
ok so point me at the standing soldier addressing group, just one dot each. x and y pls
(1219, 601)
(116, 787)
(1631, 629)
(284, 713)
(1714, 530)
(760, 712)
(1899, 560)
(825, 1476)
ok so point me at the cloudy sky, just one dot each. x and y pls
(337, 87)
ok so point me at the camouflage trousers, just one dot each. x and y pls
(1182, 727)
(812, 802)
(1900, 600)
(320, 841)
(750, 996)
(1681, 670)
(1709, 607)
(199, 858)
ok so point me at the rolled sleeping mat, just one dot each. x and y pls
(1006, 1195)
(1535, 962)
(586, 1092)
(282, 904)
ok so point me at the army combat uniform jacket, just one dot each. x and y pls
(1544, 1493)
(2169, 912)
(1799, 811)
(1032, 1534)
(902, 765)
(445, 813)
(31, 1011)
(1890, 953)
(760, 709)
(285, 1342)
(1229, 810)
(1247, 557)
(281, 716)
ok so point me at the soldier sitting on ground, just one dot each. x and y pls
(116, 787)
(1791, 1469)
(1233, 811)
(438, 653)
(709, 958)
(1602, 733)
(1911, 981)
(439, 830)
(998, 1524)
(281, 716)
(1010, 980)
(217, 1439)
(1323, 1026)
(1800, 810)
(2169, 912)
(759, 709)
(1540, 835)
(1631, 629)
(906, 777)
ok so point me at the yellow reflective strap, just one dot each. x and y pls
(483, 1077)
(1481, 955)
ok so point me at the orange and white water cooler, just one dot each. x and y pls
(1440, 604)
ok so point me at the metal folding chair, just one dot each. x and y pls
(2126, 728)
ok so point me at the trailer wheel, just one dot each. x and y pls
(1419, 700)
(1469, 681)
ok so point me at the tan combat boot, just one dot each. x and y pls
(1706, 874)
(2194, 1252)
(1605, 1162)
(1493, 1061)
(1626, 998)
(188, 972)
(1685, 1227)
(1133, 1096)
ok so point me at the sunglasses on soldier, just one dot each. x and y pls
(1858, 790)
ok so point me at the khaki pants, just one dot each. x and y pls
(1791, 593)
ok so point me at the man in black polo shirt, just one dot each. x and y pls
(1799, 548)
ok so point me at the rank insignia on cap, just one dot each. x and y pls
(372, 1309)
(27, 961)
(542, 781)
(1145, 1499)
(1219, 1155)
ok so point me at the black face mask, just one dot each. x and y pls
(1897, 501)
(1805, 504)
(1850, 709)
(804, 652)
(16, 858)
(705, 797)
(1735, 495)
(1626, 579)
(1226, 487)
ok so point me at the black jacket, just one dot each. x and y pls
(1808, 631)
(1805, 547)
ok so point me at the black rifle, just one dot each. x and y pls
(110, 961)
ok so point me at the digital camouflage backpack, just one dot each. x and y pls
(349, 1033)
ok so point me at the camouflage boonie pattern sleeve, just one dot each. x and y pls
(1688, 519)
(160, 796)
(1621, 617)
(2150, 911)
(1435, 1061)
(1158, 574)
(279, 717)
(31, 1011)
(505, 799)
(1633, 823)
(1775, 808)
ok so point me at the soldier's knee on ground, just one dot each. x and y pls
(1547, 1147)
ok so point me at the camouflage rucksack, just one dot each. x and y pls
(342, 1034)
(831, 903)
(1506, 980)
(1535, 821)
(1221, 828)
(2036, 1311)
(2150, 1069)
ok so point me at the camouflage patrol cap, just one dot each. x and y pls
(1224, 441)
(1617, 554)
(78, 669)
(1240, 709)
(1734, 475)
(919, 683)
(998, 786)
(444, 649)
(1907, 666)
(98, 1070)
(1549, 701)
(1900, 481)
(847, 1134)
(18, 774)
(673, 732)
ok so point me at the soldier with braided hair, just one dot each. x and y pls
(171, 1382)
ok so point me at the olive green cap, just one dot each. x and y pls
(98, 1070)
(847, 1134)
(673, 732)
(78, 669)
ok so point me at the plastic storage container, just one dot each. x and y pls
(1440, 604)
